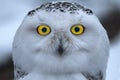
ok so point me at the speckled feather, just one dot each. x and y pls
(18, 72)
(63, 7)
(98, 76)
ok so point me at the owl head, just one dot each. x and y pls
(61, 37)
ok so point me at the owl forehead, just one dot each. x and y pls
(62, 7)
(61, 20)
(60, 17)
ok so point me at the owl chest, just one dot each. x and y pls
(63, 77)
(54, 77)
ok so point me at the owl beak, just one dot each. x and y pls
(60, 50)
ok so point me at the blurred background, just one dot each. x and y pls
(12, 13)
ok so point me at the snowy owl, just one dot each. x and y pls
(60, 41)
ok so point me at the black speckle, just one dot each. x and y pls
(63, 7)
(74, 12)
(31, 13)
(88, 11)
(72, 8)
(98, 76)
(19, 73)
(66, 5)
(57, 5)
(61, 10)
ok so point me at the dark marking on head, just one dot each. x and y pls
(88, 11)
(98, 76)
(18, 72)
(63, 7)
(31, 13)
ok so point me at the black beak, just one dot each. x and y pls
(60, 50)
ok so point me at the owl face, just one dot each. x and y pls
(60, 42)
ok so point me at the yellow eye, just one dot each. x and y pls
(43, 30)
(77, 29)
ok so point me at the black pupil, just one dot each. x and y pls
(44, 29)
(77, 29)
